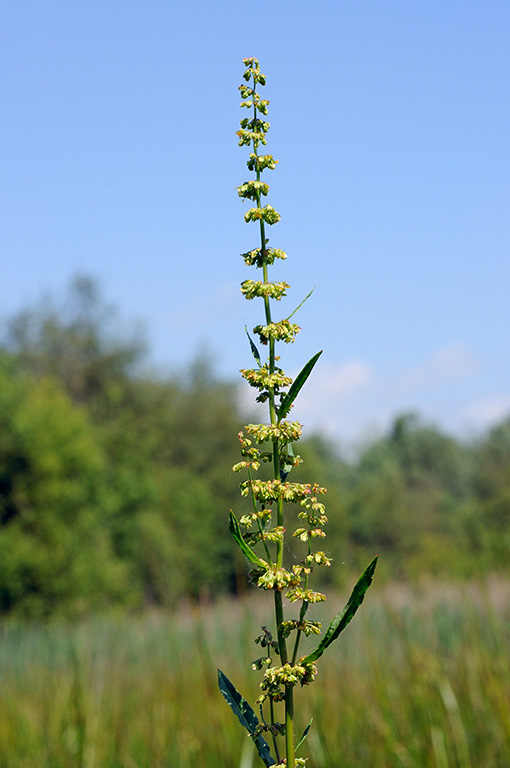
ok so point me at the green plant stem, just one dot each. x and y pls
(259, 524)
(302, 614)
(289, 691)
(275, 740)
(279, 613)
(278, 607)
(274, 734)
(289, 725)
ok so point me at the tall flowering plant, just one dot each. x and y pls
(277, 503)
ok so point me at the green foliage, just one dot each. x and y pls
(247, 551)
(422, 498)
(343, 617)
(296, 386)
(55, 552)
(75, 342)
(245, 715)
(148, 465)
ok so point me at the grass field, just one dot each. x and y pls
(420, 679)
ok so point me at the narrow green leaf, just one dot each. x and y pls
(341, 620)
(287, 464)
(235, 532)
(245, 715)
(305, 734)
(300, 305)
(254, 349)
(296, 387)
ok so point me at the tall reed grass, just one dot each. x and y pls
(425, 672)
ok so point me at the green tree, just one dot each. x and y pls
(408, 493)
(488, 525)
(77, 342)
(154, 433)
(55, 551)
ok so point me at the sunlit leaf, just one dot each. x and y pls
(235, 532)
(342, 619)
(254, 349)
(287, 464)
(300, 305)
(305, 734)
(245, 715)
(296, 386)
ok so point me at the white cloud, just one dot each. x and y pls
(331, 394)
(335, 382)
(446, 365)
(488, 411)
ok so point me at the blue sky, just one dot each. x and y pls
(391, 123)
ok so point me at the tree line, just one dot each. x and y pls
(115, 482)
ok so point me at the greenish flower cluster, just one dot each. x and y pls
(252, 289)
(257, 257)
(276, 679)
(267, 214)
(263, 380)
(280, 331)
